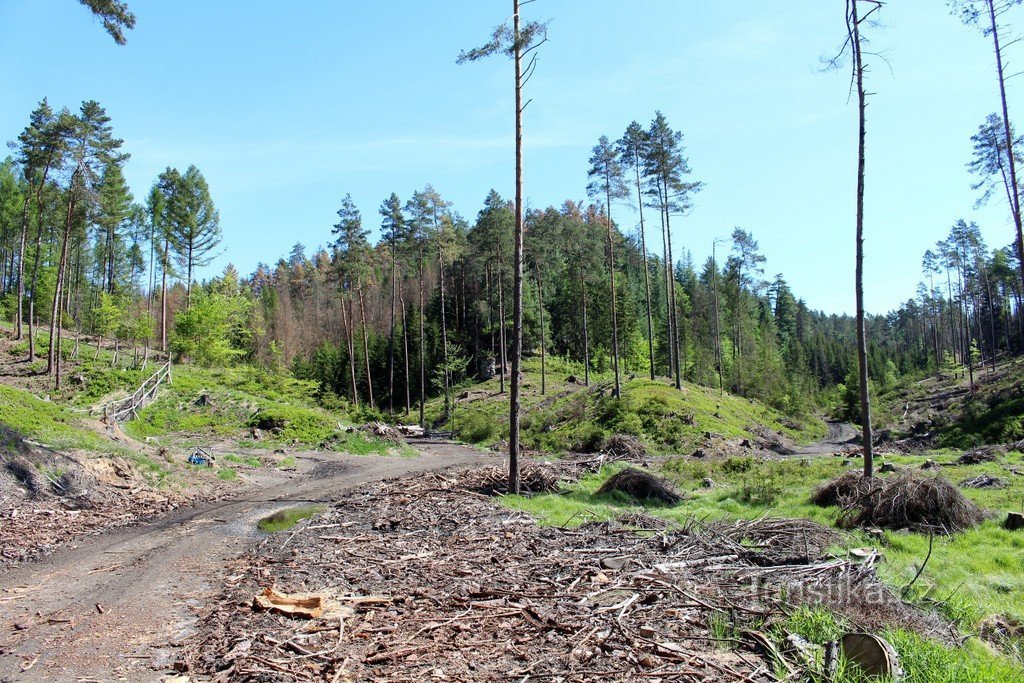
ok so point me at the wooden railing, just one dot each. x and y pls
(127, 408)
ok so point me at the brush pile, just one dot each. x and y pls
(914, 502)
(772, 542)
(640, 485)
(843, 492)
(624, 447)
(533, 478)
(382, 431)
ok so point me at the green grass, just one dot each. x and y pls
(249, 460)
(227, 474)
(283, 520)
(923, 660)
(969, 576)
(571, 417)
(240, 398)
(46, 422)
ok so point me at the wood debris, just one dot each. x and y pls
(456, 587)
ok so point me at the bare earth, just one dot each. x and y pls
(114, 607)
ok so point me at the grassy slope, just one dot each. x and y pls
(969, 576)
(239, 398)
(995, 415)
(571, 417)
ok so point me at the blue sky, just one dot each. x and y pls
(285, 107)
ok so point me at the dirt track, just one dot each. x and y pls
(841, 435)
(114, 607)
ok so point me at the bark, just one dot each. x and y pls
(366, 343)
(18, 333)
(517, 267)
(586, 335)
(348, 317)
(647, 270)
(718, 324)
(444, 327)
(391, 337)
(862, 360)
(1015, 204)
(422, 350)
(53, 354)
(502, 346)
(163, 296)
(668, 284)
(674, 320)
(540, 316)
(611, 273)
(408, 378)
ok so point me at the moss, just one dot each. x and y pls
(46, 422)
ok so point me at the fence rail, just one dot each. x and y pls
(127, 408)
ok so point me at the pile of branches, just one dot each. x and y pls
(983, 481)
(456, 588)
(980, 455)
(624, 447)
(382, 431)
(640, 485)
(533, 478)
(914, 502)
(772, 542)
(846, 491)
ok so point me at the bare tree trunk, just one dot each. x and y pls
(444, 328)
(52, 358)
(853, 23)
(21, 268)
(718, 323)
(540, 315)
(611, 273)
(366, 343)
(163, 297)
(391, 338)
(423, 355)
(408, 379)
(502, 346)
(517, 267)
(674, 319)
(1015, 204)
(647, 270)
(668, 288)
(348, 317)
(586, 335)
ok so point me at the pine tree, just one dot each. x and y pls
(632, 148)
(194, 225)
(517, 41)
(606, 180)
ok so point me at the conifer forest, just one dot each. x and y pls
(589, 438)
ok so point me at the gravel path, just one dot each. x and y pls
(114, 606)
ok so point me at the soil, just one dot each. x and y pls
(115, 606)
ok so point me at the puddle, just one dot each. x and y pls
(282, 520)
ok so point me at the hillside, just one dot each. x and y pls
(571, 417)
(945, 413)
(64, 473)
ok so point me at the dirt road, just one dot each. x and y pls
(841, 435)
(113, 607)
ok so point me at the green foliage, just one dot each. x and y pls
(206, 332)
(46, 422)
(475, 427)
(294, 423)
(817, 624)
(227, 474)
(926, 661)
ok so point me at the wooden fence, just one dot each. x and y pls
(127, 408)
